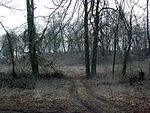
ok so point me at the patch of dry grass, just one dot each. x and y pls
(47, 94)
(54, 94)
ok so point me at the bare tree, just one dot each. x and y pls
(95, 40)
(86, 39)
(115, 43)
(32, 38)
(9, 38)
(148, 37)
(129, 28)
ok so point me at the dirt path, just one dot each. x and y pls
(80, 95)
(94, 104)
(83, 93)
(81, 99)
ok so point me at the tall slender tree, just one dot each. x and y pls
(86, 39)
(115, 44)
(129, 28)
(32, 38)
(95, 40)
(9, 38)
(148, 37)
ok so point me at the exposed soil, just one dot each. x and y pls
(76, 94)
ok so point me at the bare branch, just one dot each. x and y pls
(11, 8)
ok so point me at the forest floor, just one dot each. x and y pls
(76, 94)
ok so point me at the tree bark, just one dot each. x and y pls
(114, 55)
(148, 37)
(63, 41)
(115, 46)
(126, 52)
(95, 41)
(86, 40)
(11, 51)
(128, 27)
(31, 36)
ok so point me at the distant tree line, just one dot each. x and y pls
(98, 29)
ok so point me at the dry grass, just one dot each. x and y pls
(55, 95)
(41, 89)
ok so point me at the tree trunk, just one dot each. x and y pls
(126, 54)
(86, 40)
(148, 37)
(128, 27)
(95, 41)
(114, 55)
(12, 56)
(55, 43)
(11, 52)
(63, 41)
(31, 36)
(115, 46)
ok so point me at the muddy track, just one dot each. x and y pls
(100, 98)
(120, 106)
(100, 104)
(76, 96)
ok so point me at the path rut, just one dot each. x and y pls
(81, 92)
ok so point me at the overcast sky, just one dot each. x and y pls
(14, 18)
